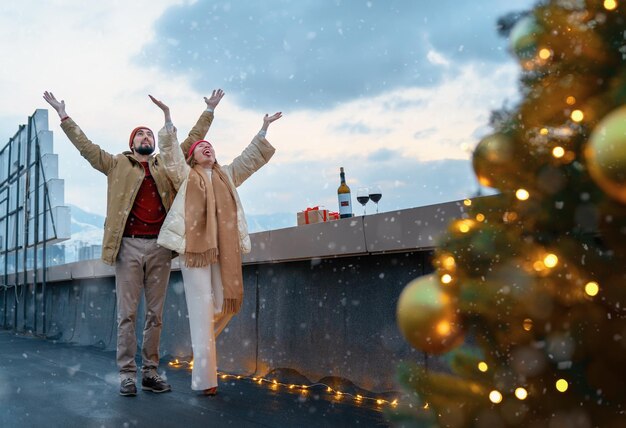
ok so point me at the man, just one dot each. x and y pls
(139, 194)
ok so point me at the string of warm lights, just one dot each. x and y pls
(545, 261)
(304, 389)
(520, 393)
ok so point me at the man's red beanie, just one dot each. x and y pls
(132, 135)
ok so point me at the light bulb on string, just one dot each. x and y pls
(521, 393)
(550, 260)
(592, 288)
(610, 4)
(304, 389)
(577, 116)
(527, 324)
(495, 397)
(449, 263)
(522, 194)
(545, 53)
(465, 226)
(509, 216)
(558, 152)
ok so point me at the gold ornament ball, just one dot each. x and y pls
(493, 160)
(427, 318)
(606, 154)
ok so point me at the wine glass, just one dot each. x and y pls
(375, 194)
(363, 195)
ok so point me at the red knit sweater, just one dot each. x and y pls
(148, 213)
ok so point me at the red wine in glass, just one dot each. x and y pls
(362, 195)
(375, 194)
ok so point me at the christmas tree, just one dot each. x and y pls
(528, 298)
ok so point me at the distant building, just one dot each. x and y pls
(32, 209)
(89, 252)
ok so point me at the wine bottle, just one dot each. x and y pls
(343, 194)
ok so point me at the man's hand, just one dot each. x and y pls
(269, 119)
(165, 108)
(215, 99)
(59, 106)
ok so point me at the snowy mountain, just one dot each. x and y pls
(263, 222)
(83, 220)
(87, 228)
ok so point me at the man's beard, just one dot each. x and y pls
(144, 150)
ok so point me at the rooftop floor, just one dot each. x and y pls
(47, 384)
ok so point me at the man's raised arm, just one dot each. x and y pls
(98, 158)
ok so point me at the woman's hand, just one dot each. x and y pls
(215, 99)
(165, 108)
(269, 119)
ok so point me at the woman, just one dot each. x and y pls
(207, 227)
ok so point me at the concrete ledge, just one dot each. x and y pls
(416, 228)
(394, 231)
(332, 239)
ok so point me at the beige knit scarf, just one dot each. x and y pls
(211, 231)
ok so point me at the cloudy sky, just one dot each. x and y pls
(396, 92)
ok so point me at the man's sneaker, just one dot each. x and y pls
(128, 388)
(154, 383)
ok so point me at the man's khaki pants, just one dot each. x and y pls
(141, 265)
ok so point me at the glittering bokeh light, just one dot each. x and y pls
(449, 263)
(550, 260)
(522, 194)
(444, 328)
(545, 53)
(558, 152)
(495, 397)
(527, 324)
(592, 288)
(577, 116)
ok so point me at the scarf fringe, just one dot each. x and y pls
(196, 260)
(231, 306)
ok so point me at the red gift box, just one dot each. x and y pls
(313, 215)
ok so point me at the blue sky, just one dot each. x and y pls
(318, 54)
(396, 92)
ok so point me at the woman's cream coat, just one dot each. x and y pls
(172, 235)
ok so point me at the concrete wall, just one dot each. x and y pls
(319, 299)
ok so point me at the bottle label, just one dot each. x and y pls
(344, 203)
